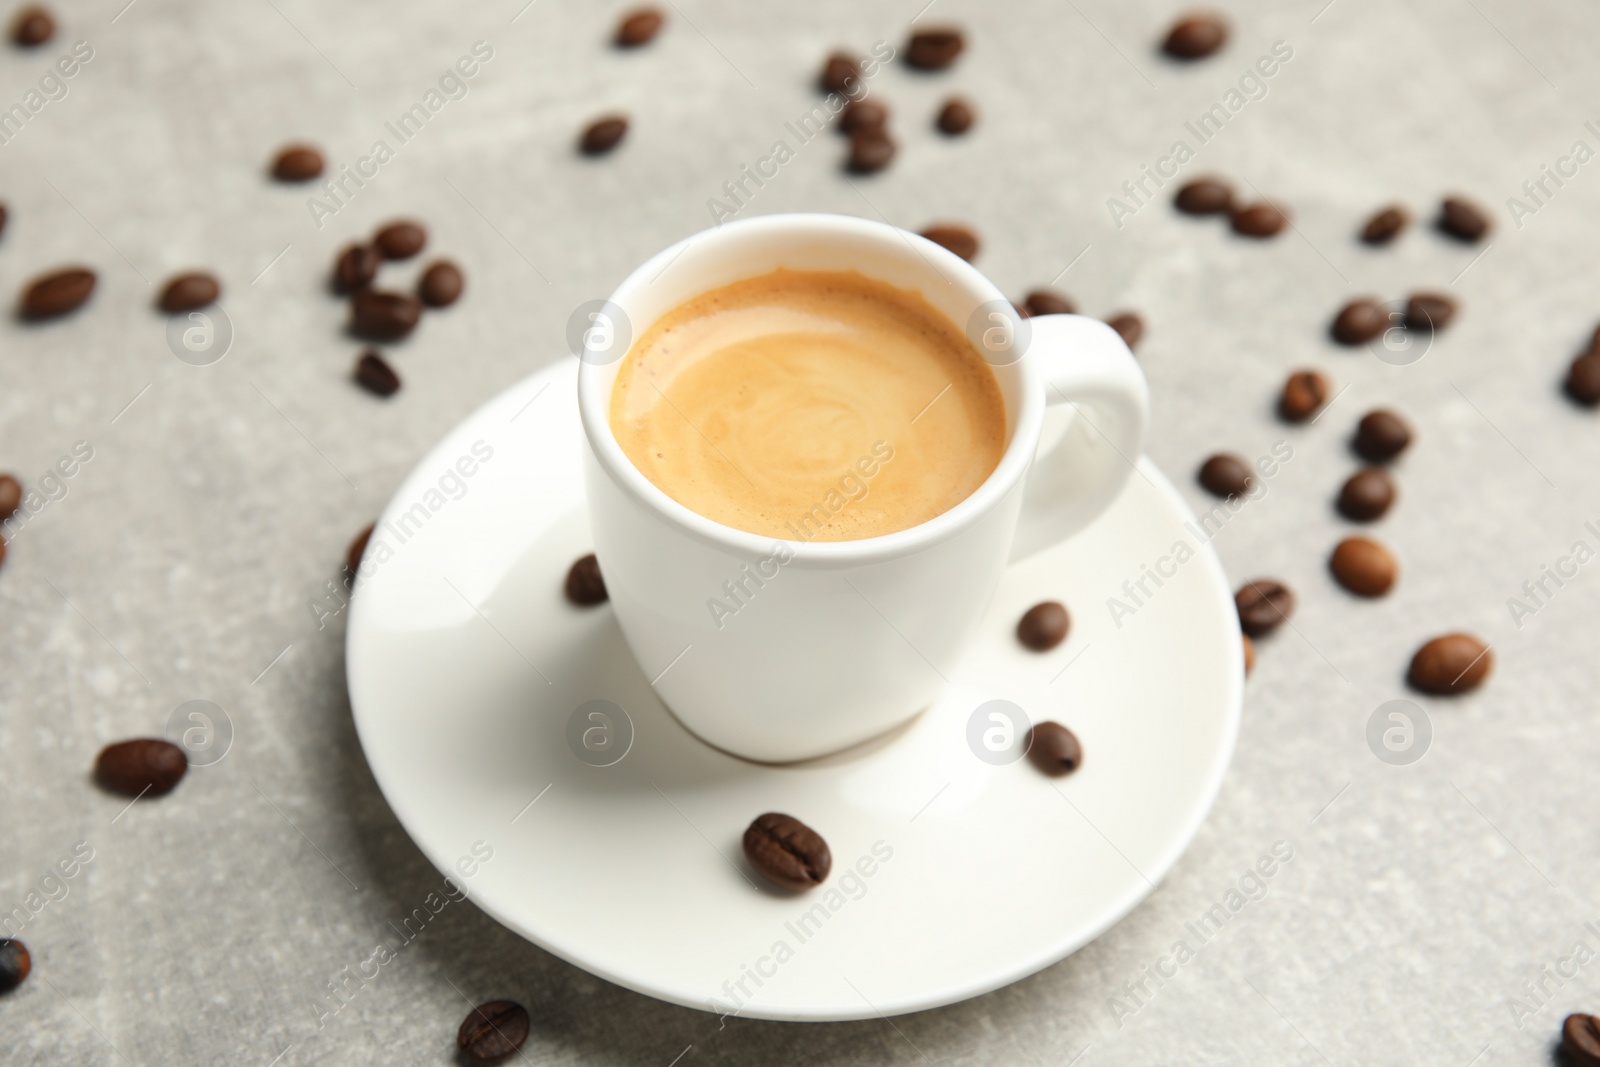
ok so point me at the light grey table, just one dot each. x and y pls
(1422, 904)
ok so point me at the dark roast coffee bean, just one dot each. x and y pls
(382, 316)
(1580, 1040)
(1050, 302)
(1303, 395)
(144, 765)
(1249, 654)
(33, 27)
(358, 548)
(1429, 311)
(57, 293)
(355, 268)
(871, 150)
(1226, 475)
(1363, 566)
(639, 27)
(957, 116)
(1044, 626)
(1367, 495)
(1204, 196)
(186, 292)
(1263, 606)
(1129, 326)
(958, 239)
(787, 852)
(602, 135)
(441, 284)
(1259, 220)
(493, 1031)
(585, 586)
(10, 496)
(934, 49)
(840, 73)
(1358, 322)
(15, 963)
(862, 115)
(401, 239)
(297, 163)
(1583, 379)
(1381, 435)
(1450, 664)
(1385, 226)
(1054, 749)
(1196, 36)
(374, 374)
(1462, 219)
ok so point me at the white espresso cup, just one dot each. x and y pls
(819, 645)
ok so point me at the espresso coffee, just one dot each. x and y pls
(810, 406)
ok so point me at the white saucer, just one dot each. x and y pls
(466, 663)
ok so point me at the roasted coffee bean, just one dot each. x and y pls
(145, 765)
(840, 73)
(374, 374)
(1129, 326)
(1226, 475)
(1303, 395)
(33, 27)
(871, 150)
(1196, 36)
(57, 293)
(1204, 196)
(1385, 226)
(1044, 626)
(297, 163)
(491, 1032)
(441, 284)
(358, 548)
(1367, 495)
(15, 963)
(10, 496)
(1583, 379)
(1462, 219)
(1450, 664)
(862, 115)
(1358, 322)
(186, 292)
(355, 268)
(639, 27)
(1259, 220)
(1429, 311)
(1050, 302)
(1580, 1040)
(602, 135)
(400, 239)
(787, 852)
(1363, 566)
(1249, 654)
(1054, 749)
(934, 49)
(957, 116)
(585, 586)
(1263, 606)
(1381, 435)
(958, 239)
(383, 316)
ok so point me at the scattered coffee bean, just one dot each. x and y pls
(358, 548)
(1196, 36)
(1044, 626)
(957, 116)
(1385, 226)
(1225, 475)
(1303, 395)
(1462, 219)
(441, 284)
(10, 496)
(1259, 220)
(297, 163)
(186, 292)
(1358, 322)
(1204, 196)
(585, 586)
(787, 852)
(1263, 606)
(492, 1032)
(355, 268)
(1429, 311)
(958, 239)
(1054, 749)
(602, 135)
(15, 963)
(33, 27)
(934, 49)
(57, 293)
(1580, 1040)
(374, 374)
(401, 239)
(1367, 495)
(1129, 326)
(862, 115)
(383, 316)
(840, 72)
(870, 151)
(1583, 379)
(639, 27)
(1381, 435)
(1450, 664)
(1050, 302)
(145, 765)
(1363, 566)
(1249, 654)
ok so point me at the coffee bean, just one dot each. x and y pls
(602, 135)
(1249, 654)
(15, 963)
(1129, 326)
(1259, 220)
(441, 284)
(958, 239)
(2, 218)
(1462, 219)
(1044, 626)
(1580, 1040)
(1303, 395)
(1196, 36)
(1381, 435)
(585, 585)
(870, 151)
(1583, 379)
(1225, 475)
(862, 115)
(10, 496)
(1358, 322)
(1429, 311)
(787, 852)
(33, 27)
(384, 316)
(1385, 226)
(355, 268)
(1054, 749)
(2, 551)
(639, 27)
(1204, 196)
(186, 292)
(1367, 495)
(374, 374)
(1450, 664)
(297, 163)
(1050, 302)
(57, 293)
(934, 49)
(145, 765)
(1363, 566)
(957, 116)
(400, 239)
(1263, 606)
(358, 548)
(840, 73)
(491, 1032)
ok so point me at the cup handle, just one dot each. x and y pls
(1087, 367)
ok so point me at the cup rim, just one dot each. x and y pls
(594, 408)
